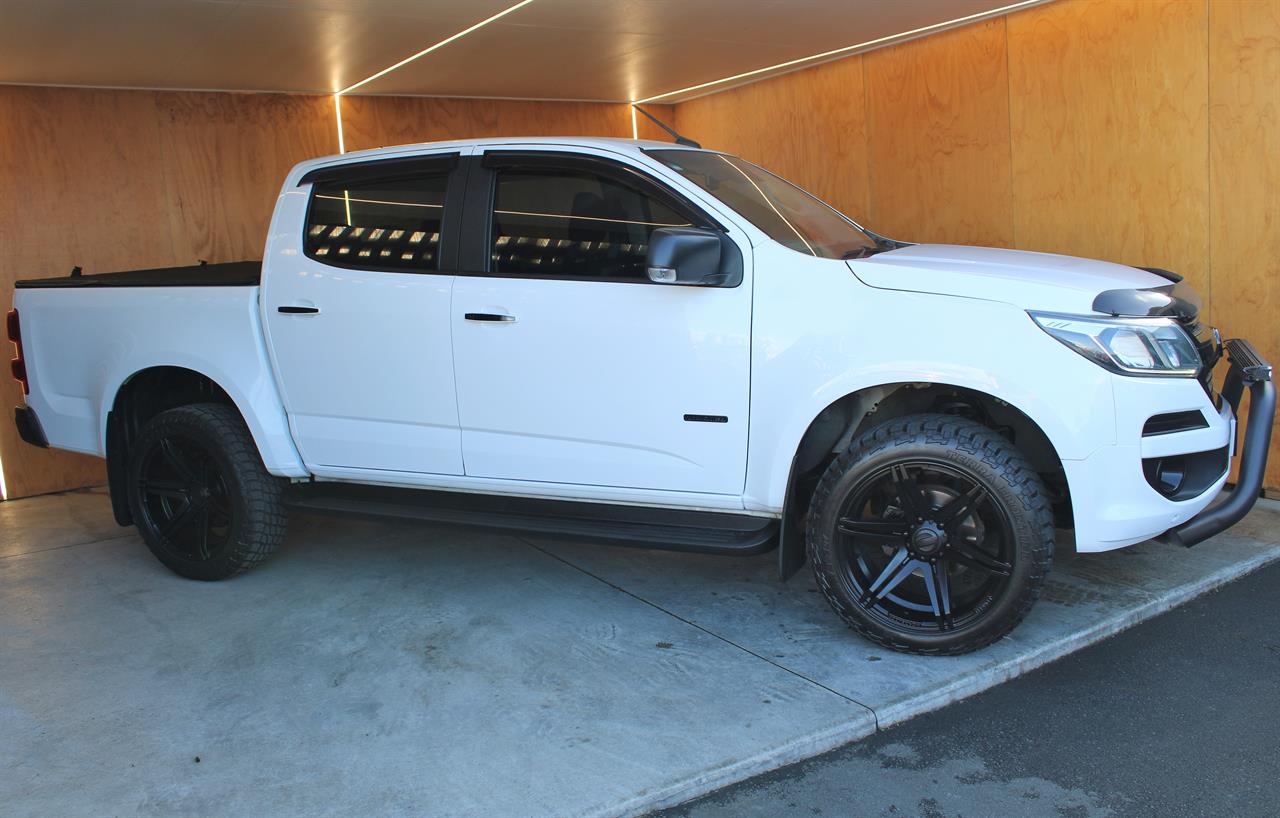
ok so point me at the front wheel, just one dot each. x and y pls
(931, 534)
(201, 498)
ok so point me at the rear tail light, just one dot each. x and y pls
(18, 366)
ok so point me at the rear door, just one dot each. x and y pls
(572, 367)
(356, 309)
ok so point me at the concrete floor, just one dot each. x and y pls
(383, 668)
(1174, 718)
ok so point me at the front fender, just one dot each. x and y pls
(804, 361)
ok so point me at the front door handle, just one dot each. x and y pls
(487, 316)
(298, 310)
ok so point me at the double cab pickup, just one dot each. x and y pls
(657, 345)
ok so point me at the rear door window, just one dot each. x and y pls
(392, 223)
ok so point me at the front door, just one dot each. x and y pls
(356, 310)
(571, 366)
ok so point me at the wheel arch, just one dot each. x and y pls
(154, 389)
(845, 418)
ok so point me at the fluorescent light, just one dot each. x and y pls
(4, 491)
(440, 44)
(635, 130)
(837, 51)
(337, 112)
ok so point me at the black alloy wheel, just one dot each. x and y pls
(200, 495)
(931, 534)
(185, 503)
(923, 546)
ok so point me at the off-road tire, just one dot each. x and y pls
(996, 465)
(251, 495)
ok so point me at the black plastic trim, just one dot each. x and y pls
(1163, 273)
(230, 274)
(643, 526)
(117, 465)
(398, 167)
(1170, 422)
(1197, 472)
(1248, 369)
(29, 428)
(1170, 300)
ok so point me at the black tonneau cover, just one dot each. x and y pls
(230, 274)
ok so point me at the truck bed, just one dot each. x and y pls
(229, 274)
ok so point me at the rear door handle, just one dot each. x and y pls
(298, 310)
(487, 316)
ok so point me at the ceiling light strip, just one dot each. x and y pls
(424, 52)
(996, 12)
(337, 113)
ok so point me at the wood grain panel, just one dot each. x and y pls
(808, 126)
(938, 138)
(1108, 112)
(224, 158)
(371, 122)
(1244, 176)
(82, 186)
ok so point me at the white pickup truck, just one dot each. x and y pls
(647, 343)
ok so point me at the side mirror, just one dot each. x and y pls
(693, 256)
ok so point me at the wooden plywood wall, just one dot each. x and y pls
(1139, 131)
(115, 180)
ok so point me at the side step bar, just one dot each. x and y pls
(705, 532)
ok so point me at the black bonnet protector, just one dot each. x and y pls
(1176, 300)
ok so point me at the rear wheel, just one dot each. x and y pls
(931, 534)
(201, 498)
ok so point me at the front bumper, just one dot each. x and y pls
(1248, 371)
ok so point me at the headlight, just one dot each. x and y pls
(1129, 346)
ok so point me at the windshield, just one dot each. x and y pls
(788, 214)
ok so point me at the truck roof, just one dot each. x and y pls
(607, 142)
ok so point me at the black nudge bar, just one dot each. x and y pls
(1247, 369)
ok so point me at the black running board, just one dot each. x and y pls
(706, 532)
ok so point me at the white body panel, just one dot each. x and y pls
(590, 381)
(368, 380)
(82, 345)
(583, 395)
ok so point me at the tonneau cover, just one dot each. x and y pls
(230, 274)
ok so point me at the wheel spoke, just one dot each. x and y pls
(882, 530)
(909, 494)
(881, 588)
(939, 588)
(165, 488)
(204, 531)
(960, 507)
(179, 520)
(969, 554)
(178, 461)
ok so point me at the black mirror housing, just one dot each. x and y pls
(693, 256)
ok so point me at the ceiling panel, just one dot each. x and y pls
(549, 49)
